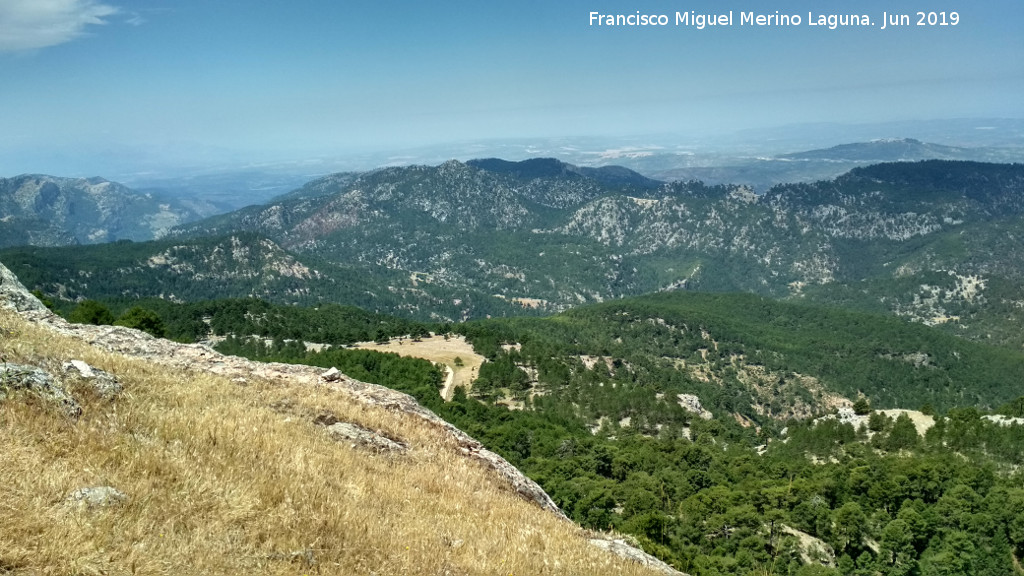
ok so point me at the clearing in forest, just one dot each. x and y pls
(439, 350)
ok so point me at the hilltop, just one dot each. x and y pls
(53, 211)
(211, 464)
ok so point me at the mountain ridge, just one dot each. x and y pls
(49, 210)
(457, 241)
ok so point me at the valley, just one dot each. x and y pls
(733, 379)
(489, 289)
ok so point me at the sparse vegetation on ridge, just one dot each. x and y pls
(227, 477)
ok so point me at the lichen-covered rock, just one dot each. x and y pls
(15, 296)
(96, 497)
(16, 377)
(104, 383)
(364, 437)
(624, 549)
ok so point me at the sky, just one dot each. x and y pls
(87, 84)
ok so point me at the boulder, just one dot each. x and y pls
(21, 377)
(104, 383)
(364, 437)
(624, 549)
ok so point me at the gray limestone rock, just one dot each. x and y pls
(16, 377)
(104, 383)
(15, 296)
(359, 436)
(626, 550)
(96, 497)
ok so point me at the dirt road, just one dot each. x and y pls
(440, 351)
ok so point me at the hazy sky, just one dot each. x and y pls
(187, 79)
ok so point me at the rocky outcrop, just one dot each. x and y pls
(103, 383)
(198, 357)
(624, 549)
(692, 403)
(36, 381)
(14, 296)
(1004, 420)
(357, 435)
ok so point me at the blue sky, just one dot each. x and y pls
(188, 80)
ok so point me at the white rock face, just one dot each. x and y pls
(692, 403)
(1004, 420)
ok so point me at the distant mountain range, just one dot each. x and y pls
(932, 241)
(89, 210)
(51, 211)
(552, 168)
(890, 150)
(762, 171)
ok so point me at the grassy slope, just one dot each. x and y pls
(223, 478)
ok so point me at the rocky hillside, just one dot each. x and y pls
(51, 211)
(480, 195)
(931, 241)
(548, 237)
(421, 219)
(113, 462)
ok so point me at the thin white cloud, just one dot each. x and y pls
(33, 24)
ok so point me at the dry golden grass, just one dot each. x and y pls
(224, 478)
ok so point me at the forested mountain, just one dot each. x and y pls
(50, 211)
(640, 415)
(547, 237)
(890, 150)
(931, 241)
(549, 167)
(236, 266)
(744, 356)
(703, 423)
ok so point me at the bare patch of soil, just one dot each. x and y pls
(439, 350)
